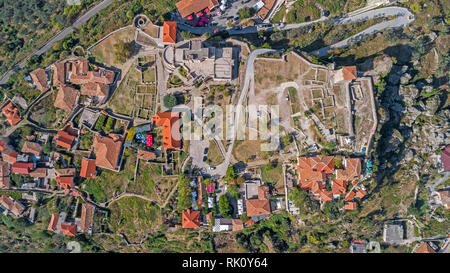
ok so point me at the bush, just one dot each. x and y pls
(224, 206)
(169, 101)
(246, 12)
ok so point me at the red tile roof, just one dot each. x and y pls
(361, 193)
(94, 89)
(68, 229)
(59, 74)
(9, 155)
(190, 219)
(171, 128)
(349, 72)
(66, 98)
(53, 222)
(39, 77)
(107, 151)
(146, 155)
(22, 167)
(65, 182)
(87, 168)
(261, 205)
(39, 172)
(250, 222)
(237, 224)
(425, 248)
(445, 158)
(170, 32)
(350, 206)
(66, 172)
(325, 196)
(264, 11)
(87, 211)
(31, 148)
(11, 114)
(188, 7)
(64, 139)
(350, 196)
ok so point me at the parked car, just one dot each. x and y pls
(212, 168)
(206, 150)
(204, 158)
(287, 97)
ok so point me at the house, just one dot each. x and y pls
(222, 224)
(98, 91)
(237, 224)
(65, 182)
(40, 79)
(250, 222)
(87, 213)
(107, 151)
(360, 193)
(65, 172)
(190, 219)
(31, 148)
(425, 248)
(350, 206)
(261, 205)
(39, 173)
(171, 129)
(146, 155)
(445, 158)
(202, 62)
(22, 167)
(52, 226)
(88, 168)
(11, 114)
(266, 8)
(190, 7)
(346, 73)
(66, 98)
(69, 229)
(393, 234)
(65, 138)
(59, 74)
(170, 32)
(9, 155)
(5, 175)
(12, 206)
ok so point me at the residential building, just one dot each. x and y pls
(146, 155)
(358, 247)
(190, 219)
(97, 91)
(32, 148)
(22, 167)
(68, 229)
(40, 79)
(16, 208)
(265, 9)
(261, 205)
(11, 114)
(170, 32)
(222, 224)
(444, 198)
(171, 129)
(65, 138)
(65, 172)
(425, 248)
(88, 168)
(350, 206)
(237, 224)
(66, 98)
(191, 7)
(9, 155)
(346, 73)
(445, 158)
(65, 182)
(52, 226)
(108, 151)
(87, 213)
(39, 173)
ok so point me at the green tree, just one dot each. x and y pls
(231, 174)
(169, 101)
(123, 50)
(224, 206)
(246, 12)
(233, 190)
(184, 192)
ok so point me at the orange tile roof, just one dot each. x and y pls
(64, 139)
(349, 72)
(263, 193)
(39, 172)
(350, 196)
(250, 222)
(264, 11)
(326, 196)
(22, 167)
(146, 155)
(53, 222)
(87, 211)
(66, 98)
(7, 202)
(66, 172)
(65, 182)
(11, 114)
(4, 175)
(59, 74)
(94, 89)
(350, 206)
(170, 32)
(261, 205)
(188, 7)
(9, 155)
(68, 229)
(237, 224)
(31, 148)
(190, 219)
(171, 128)
(107, 151)
(425, 248)
(39, 77)
(339, 187)
(361, 193)
(87, 168)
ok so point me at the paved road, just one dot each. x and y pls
(61, 35)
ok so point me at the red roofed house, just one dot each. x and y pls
(68, 229)
(87, 168)
(31, 148)
(190, 219)
(53, 222)
(361, 193)
(65, 182)
(425, 248)
(4, 175)
(59, 74)
(261, 205)
(87, 212)
(9, 155)
(346, 73)
(350, 196)
(107, 151)
(22, 167)
(445, 158)
(96, 90)
(350, 206)
(170, 32)
(189, 7)
(171, 128)
(250, 222)
(40, 79)
(65, 138)
(265, 10)
(66, 98)
(11, 114)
